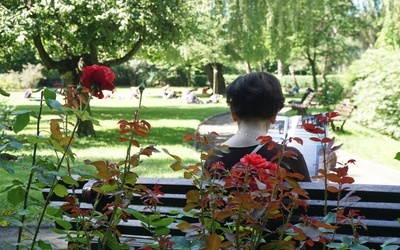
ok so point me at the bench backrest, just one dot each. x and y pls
(380, 204)
(310, 97)
(345, 108)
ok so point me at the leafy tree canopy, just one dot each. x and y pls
(108, 32)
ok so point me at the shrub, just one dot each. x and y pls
(200, 80)
(52, 77)
(376, 80)
(330, 94)
(135, 72)
(29, 77)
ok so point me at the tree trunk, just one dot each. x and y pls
(85, 128)
(248, 67)
(280, 68)
(209, 70)
(189, 76)
(292, 73)
(182, 77)
(314, 73)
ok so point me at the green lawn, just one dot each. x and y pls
(170, 119)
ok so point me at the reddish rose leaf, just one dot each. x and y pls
(326, 140)
(342, 171)
(141, 133)
(347, 180)
(333, 177)
(332, 189)
(213, 242)
(271, 146)
(136, 143)
(214, 133)
(188, 137)
(310, 128)
(298, 140)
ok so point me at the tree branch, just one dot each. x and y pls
(128, 55)
(46, 59)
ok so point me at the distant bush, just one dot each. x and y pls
(52, 76)
(376, 80)
(134, 72)
(306, 81)
(29, 77)
(330, 94)
(200, 80)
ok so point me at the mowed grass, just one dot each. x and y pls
(170, 120)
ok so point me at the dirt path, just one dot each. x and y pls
(9, 235)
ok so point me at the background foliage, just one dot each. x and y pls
(376, 80)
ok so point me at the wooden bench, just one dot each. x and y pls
(303, 106)
(380, 204)
(344, 109)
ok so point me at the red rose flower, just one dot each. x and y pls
(256, 160)
(257, 168)
(97, 78)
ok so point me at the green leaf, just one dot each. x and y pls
(37, 139)
(130, 178)
(21, 121)
(85, 174)
(15, 222)
(64, 224)
(49, 95)
(162, 230)
(397, 157)
(108, 188)
(15, 145)
(181, 242)
(137, 215)
(359, 247)
(347, 240)
(44, 245)
(60, 190)
(54, 211)
(6, 166)
(57, 231)
(57, 146)
(162, 222)
(69, 180)
(392, 247)
(54, 104)
(16, 195)
(4, 93)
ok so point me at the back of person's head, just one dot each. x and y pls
(255, 95)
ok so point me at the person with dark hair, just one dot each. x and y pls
(255, 100)
(308, 91)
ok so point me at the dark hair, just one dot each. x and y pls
(255, 95)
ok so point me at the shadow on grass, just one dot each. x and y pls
(198, 112)
(159, 136)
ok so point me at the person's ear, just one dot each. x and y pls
(273, 119)
(233, 115)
